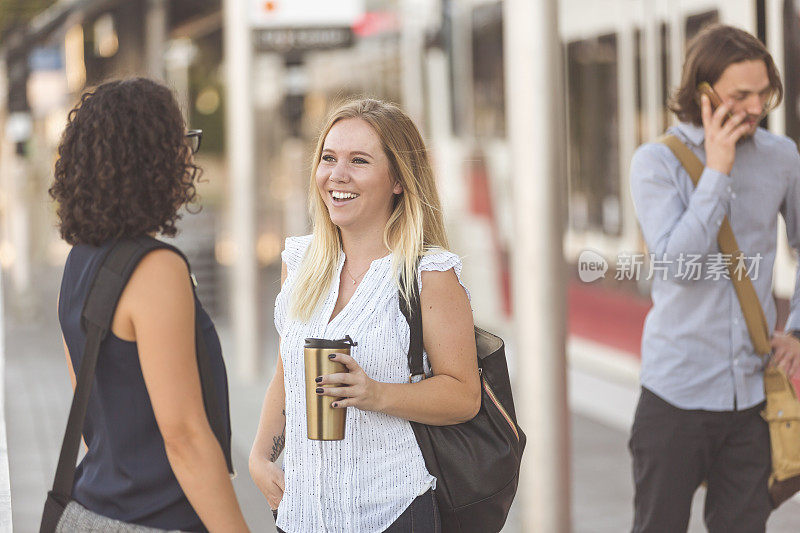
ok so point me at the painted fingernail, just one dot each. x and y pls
(334, 404)
(318, 379)
(331, 356)
(320, 391)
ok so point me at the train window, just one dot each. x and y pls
(663, 64)
(593, 134)
(791, 74)
(695, 23)
(487, 71)
(666, 82)
(637, 51)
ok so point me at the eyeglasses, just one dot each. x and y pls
(195, 137)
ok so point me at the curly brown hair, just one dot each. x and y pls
(707, 56)
(124, 165)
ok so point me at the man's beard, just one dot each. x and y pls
(752, 122)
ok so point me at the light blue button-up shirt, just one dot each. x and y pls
(696, 351)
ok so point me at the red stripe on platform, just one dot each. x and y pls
(611, 317)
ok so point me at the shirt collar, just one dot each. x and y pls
(694, 134)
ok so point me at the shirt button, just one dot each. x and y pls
(736, 321)
(729, 189)
(733, 195)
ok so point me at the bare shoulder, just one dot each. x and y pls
(161, 266)
(448, 324)
(439, 278)
(161, 277)
(158, 289)
(443, 293)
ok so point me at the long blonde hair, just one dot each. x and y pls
(414, 226)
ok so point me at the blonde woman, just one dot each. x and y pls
(376, 215)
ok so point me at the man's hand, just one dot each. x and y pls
(721, 135)
(786, 354)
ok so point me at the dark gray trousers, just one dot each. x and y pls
(675, 450)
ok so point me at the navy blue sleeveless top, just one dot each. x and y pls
(125, 475)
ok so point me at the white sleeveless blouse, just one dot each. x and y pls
(363, 483)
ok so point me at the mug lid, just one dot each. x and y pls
(345, 343)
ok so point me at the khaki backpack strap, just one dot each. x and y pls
(748, 299)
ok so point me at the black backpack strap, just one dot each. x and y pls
(98, 312)
(414, 319)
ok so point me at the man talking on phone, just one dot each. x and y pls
(698, 417)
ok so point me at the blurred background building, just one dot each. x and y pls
(443, 61)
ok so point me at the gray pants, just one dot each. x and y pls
(78, 519)
(675, 450)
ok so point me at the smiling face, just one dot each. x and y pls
(353, 176)
(747, 85)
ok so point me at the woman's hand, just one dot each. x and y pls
(354, 386)
(269, 478)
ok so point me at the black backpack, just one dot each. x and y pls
(476, 463)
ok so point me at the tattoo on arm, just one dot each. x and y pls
(278, 441)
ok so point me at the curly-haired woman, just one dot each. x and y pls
(124, 170)
(377, 227)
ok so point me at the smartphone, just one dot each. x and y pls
(706, 89)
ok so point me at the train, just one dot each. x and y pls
(621, 60)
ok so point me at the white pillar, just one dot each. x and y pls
(534, 110)
(463, 84)
(239, 135)
(774, 8)
(156, 38)
(785, 261)
(177, 59)
(412, 46)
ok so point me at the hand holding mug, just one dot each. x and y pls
(356, 388)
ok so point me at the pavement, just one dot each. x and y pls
(5, 481)
(603, 393)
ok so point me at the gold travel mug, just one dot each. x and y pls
(324, 422)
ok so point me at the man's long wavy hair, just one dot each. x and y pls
(415, 225)
(713, 50)
(124, 165)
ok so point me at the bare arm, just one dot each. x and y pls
(160, 304)
(452, 395)
(69, 364)
(271, 436)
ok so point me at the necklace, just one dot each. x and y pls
(351, 274)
